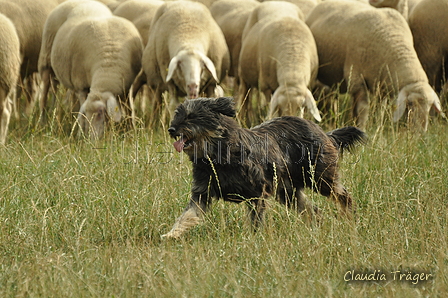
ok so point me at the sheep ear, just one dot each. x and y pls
(311, 105)
(82, 110)
(401, 106)
(273, 105)
(437, 105)
(219, 92)
(82, 117)
(113, 108)
(209, 66)
(223, 105)
(171, 68)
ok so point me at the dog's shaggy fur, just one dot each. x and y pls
(277, 158)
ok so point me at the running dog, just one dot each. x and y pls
(277, 158)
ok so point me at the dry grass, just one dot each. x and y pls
(84, 220)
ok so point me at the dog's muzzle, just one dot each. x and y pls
(181, 142)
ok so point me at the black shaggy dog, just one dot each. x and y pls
(277, 158)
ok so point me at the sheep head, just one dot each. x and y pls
(418, 98)
(192, 69)
(94, 112)
(290, 100)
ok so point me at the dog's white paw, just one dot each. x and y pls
(172, 235)
(185, 222)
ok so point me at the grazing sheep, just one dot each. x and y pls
(140, 13)
(51, 27)
(231, 16)
(28, 17)
(95, 54)
(429, 25)
(371, 50)
(186, 52)
(403, 6)
(9, 71)
(281, 56)
(255, 60)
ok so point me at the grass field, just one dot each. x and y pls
(84, 220)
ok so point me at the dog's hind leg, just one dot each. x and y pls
(344, 199)
(340, 195)
(191, 216)
(305, 208)
(294, 198)
(256, 208)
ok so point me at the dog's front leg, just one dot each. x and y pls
(191, 216)
(256, 208)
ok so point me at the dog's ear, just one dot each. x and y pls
(223, 105)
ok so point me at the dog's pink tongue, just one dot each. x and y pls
(179, 145)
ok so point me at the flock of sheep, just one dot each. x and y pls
(105, 51)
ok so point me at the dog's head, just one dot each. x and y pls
(200, 121)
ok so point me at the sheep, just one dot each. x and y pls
(139, 12)
(28, 17)
(280, 56)
(403, 6)
(371, 50)
(306, 6)
(9, 71)
(95, 54)
(231, 16)
(429, 26)
(186, 53)
(248, 70)
(51, 27)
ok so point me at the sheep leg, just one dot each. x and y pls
(267, 96)
(156, 104)
(45, 87)
(139, 81)
(360, 107)
(29, 93)
(174, 101)
(5, 115)
(244, 104)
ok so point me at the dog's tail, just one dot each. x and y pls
(347, 137)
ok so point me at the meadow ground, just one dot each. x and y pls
(84, 220)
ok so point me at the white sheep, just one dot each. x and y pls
(186, 52)
(231, 16)
(403, 6)
(95, 54)
(140, 13)
(371, 50)
(28, 17)
(260, 16)
(9, 71)
(51, 27)
(429, 25)
(280, 57)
